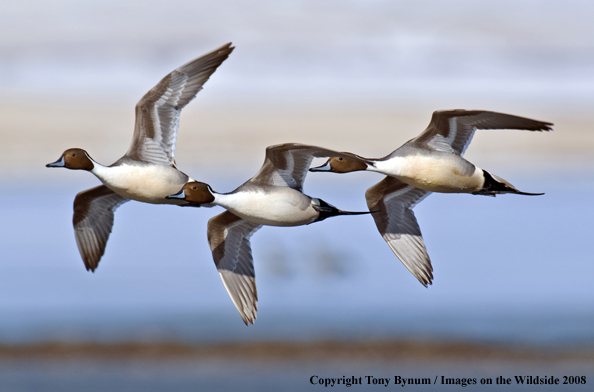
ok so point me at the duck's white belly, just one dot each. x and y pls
(273, 207)
(145, 183)
(435, 173)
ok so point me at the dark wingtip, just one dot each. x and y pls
(228, 48)
(248, 322)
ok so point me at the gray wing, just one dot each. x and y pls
(229, 239)
(452, 130)
(157, 113)
(287, 164)
(93, 220)
(391, 202)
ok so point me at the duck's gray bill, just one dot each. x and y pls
(179, 195)
(325, 167)
(59, 163)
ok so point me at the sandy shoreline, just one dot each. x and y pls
(385, 351)
(214, 136)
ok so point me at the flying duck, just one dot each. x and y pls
(272, 197)
(431, 162)
(147, 172)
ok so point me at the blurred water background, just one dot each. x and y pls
(360, 76)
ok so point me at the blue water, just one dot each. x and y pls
(507, 269)
(214, 375)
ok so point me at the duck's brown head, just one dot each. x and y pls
(195, 192)
(341, 165)
(75, 159)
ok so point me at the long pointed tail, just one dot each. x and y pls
(328, 210)
(341, 212)
(496, 185)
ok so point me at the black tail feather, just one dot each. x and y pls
(327, 210)
(498, 186)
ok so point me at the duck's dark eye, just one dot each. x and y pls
(194, 188)
(73, 154)
(340, 159)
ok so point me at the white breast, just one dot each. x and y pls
(433, 172)
(146, 183)
(274, 207)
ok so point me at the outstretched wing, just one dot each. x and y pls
(452, 130)
(287, 164)
(93, 220)
(390, 202)
(157, 113)
(229, 239)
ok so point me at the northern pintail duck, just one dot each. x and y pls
(431, 162)
(272, 197)
(147, 172)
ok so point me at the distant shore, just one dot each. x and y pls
(217, 135)
(384, 350)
